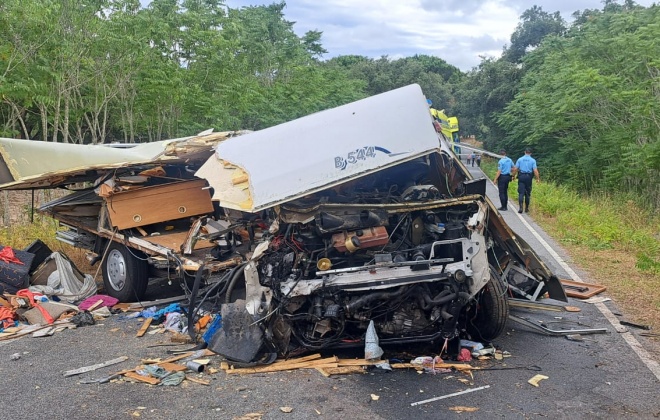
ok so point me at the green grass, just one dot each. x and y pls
(597, 222)
(613, 238)
(21, 234)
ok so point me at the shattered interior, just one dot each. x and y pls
(407, 240)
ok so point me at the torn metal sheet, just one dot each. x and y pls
(318, 151)
(548, 331)
(28, 164)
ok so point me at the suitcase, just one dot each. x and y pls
(13, 276)
(40, 251)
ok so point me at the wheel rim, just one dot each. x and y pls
(116, 270)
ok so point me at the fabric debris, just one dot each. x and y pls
(153, 370)
(83, 318)
(175, 322)
(64, 283)
(174, 379)
(7, 317)
(7, 255)
(90, 301)
(464, 355)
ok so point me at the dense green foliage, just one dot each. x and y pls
(585, 96)
(106, 70)
(589, 103)
(110, 70)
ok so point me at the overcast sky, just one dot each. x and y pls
(458, 31)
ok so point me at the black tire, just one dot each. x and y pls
(125, 274)
(492, 311)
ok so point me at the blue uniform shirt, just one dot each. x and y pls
(526, 164)
(504, 165)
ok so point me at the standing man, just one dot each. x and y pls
(471, 158)
(503, 177)
(525, 168)
(478, 160)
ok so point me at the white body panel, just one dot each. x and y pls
(288, 161)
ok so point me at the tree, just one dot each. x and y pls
(591, 104)
(534, 26)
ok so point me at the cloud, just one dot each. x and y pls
(458, 31)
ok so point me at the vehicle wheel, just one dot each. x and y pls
(492, 310)
(125, 275)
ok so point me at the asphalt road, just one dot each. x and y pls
(601, 377)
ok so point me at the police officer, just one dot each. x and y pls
(525, 168)
(503, 177)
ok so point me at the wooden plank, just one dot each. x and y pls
(95, 305)
(458, 366)
(278, 367)
(341, 370)
(159, 203)
(144, 327)
(198, 381)
(122, 307)
(298, 360)
(581, 290)
(138, 377)
(174, 241)
(172, 367)
(358, 362)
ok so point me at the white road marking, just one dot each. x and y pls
(630, 339)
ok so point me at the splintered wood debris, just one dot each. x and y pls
(333, 366)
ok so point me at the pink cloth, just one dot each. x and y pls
(90, 301)
(464, 355)
(7, 255)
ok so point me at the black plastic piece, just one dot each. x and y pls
(41, 253)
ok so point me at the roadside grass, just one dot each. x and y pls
(21, 233)
(613, 239)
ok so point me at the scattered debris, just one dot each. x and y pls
(374, 397)
(597, 299)
(82, 318)
(250, 416)
(632, 324)
(534, 381)
(528, 304)
(581, 290)
(15, 356)
(195, 367)
(460, 409)
(450, 395)
(286, 409)
(340, 370)
(145, 326)
(372, 350)
(94, 367)
(198, 381)
(548, 331)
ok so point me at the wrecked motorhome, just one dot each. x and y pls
(311, 230)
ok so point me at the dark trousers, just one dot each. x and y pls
(503, 186)
(524, 189)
